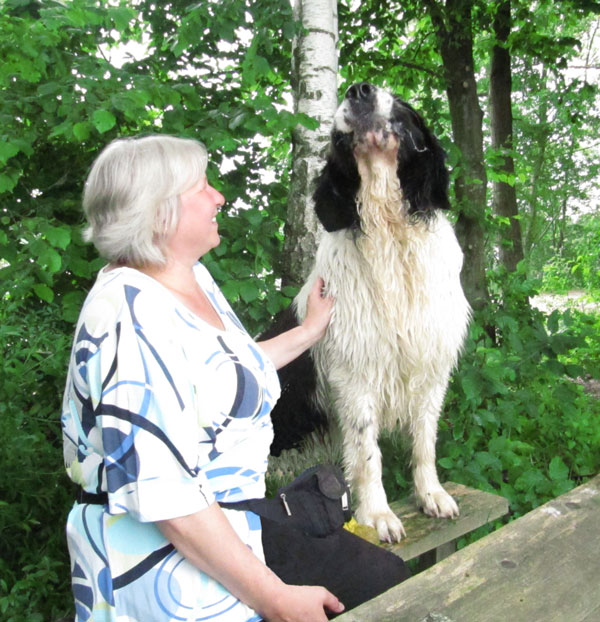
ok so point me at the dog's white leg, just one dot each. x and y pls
(434, 500)
(362, 461)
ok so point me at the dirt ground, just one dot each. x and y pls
(590, 385)
(574, 299)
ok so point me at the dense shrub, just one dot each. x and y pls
(34, 491)
(577, 264)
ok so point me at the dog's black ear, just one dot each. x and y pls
(422, 168)
(337, 186)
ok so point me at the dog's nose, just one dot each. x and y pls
(361, 91)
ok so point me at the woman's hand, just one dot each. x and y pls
(318, 310)
(291, 344)
(208, 541)
(301, 603)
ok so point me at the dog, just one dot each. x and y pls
(390, 258)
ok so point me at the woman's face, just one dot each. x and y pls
(197, 231)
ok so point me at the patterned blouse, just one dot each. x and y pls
(166, 414)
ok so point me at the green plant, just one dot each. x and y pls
(516, 422)
(578, 266)
(35, 492)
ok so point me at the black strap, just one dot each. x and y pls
(267, 508)
(83, 496)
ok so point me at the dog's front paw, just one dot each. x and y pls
(388, 525)
(439, 504)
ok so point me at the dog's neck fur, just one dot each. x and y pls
(379, 190)
(391, 239)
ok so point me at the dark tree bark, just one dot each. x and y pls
(505, 196)
(454, 31)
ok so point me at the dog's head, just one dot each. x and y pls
(372, 124)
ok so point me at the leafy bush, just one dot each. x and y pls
(517, 423)
(34, 489)
(578, 266)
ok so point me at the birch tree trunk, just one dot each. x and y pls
(314, 75)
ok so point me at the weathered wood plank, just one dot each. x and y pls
(543, 566)
(424, 533)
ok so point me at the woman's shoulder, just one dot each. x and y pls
(117, 295)
(115, 285)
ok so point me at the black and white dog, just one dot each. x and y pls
(391, 260)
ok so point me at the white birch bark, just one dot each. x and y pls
(314, 70)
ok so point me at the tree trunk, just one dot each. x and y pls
(314, 72)
(453, 26)
(505, 196)
(534, 224)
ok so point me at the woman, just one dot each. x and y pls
(167, 407)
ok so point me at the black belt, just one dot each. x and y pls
(100, 498)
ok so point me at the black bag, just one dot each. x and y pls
(316, 503)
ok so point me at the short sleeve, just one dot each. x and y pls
(143, 404)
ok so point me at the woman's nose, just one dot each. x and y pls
(219, 198)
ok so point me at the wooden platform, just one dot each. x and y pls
(425, 535)
(542, 566)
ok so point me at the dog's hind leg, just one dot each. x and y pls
(362, 460)
(434, 500)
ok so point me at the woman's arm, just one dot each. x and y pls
(291, 344)
(208, 541)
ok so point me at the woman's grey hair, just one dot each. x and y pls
(131, 196)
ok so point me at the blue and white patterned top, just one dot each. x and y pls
(166, 414)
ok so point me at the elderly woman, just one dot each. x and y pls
(167, 407)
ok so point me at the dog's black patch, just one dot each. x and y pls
(421, 164)
(295, 415)
(337, 186)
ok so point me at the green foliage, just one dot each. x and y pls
(517, 423)
(75, 75)
(578, 266)
(35, 492)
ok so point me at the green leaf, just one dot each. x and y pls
(43, 292)
(8, 180)
(446, 463)
(290, 290)
(104, 120)
(82, 130)
(7, 150)
(59, 237)
(231, 290)
(531, 479)
(471, 385)
(71, 306)
(50, 260)
(249, 291)
(558, 470)
(261, 66)
(122, 17)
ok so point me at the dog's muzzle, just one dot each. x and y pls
(366, 108)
